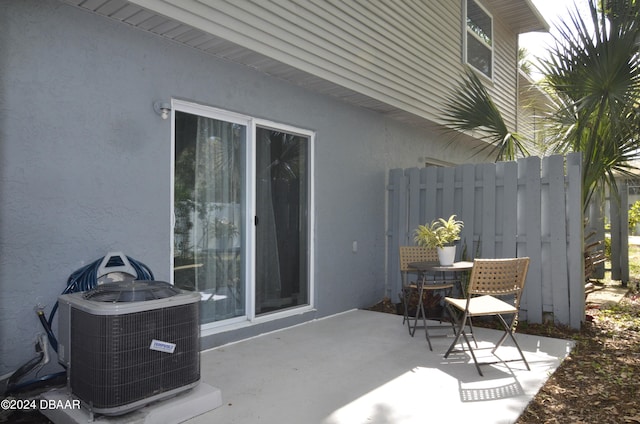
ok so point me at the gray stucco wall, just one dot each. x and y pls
(85, 161)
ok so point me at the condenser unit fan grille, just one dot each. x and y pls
(113, 364)
(136, 291)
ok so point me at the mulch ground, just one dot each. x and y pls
(599, 382)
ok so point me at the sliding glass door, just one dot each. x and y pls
(241, 209)
(282, 199)
(209, 205)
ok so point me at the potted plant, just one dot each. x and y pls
(440, 234)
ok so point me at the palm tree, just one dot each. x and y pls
(593, 73)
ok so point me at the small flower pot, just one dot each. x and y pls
(447, 255)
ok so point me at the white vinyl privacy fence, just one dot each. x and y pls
(531, 207)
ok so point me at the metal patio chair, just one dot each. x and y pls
(492, 283)
(425, 283)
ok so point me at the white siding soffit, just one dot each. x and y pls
(400, 58)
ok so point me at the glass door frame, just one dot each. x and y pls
(310, 135)
(248, 241)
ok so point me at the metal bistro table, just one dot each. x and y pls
(450, 275)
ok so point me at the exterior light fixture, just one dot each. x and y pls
(162, 109)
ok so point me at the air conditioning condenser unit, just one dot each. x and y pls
(128, 344)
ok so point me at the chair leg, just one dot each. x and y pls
(520, 351)
(473, 355)
(469, 323)
(451, 320)
(405, 295)
(461, 332)
(509, 332)
(473, 335)
(412, 328)
(420, 311)
(424, 319)
(412, 321)
(461, 325)
(405, 303)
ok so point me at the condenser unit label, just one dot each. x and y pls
(161, 346)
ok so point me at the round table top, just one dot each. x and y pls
(435, 266)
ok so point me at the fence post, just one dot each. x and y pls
(624, 234)
(413, 188)
(467, 213)
(430, 193)
(594, 229)
(529, 231)
(396, 228)
(554, 230)
(620, 234)
(508, 172)
(575, 248)
(488, 215)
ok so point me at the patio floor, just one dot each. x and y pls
(363, 367)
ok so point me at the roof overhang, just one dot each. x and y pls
(521, 15)
(156, 21)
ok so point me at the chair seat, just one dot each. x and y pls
(483, 305)
(428, 286)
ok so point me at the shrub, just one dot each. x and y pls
(634, 216)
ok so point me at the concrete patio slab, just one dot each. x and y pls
(363, 367)
(606, 295)
(176, 409)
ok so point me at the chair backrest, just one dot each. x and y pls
(410, 254)
(498, 277)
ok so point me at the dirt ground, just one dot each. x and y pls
(599, 381)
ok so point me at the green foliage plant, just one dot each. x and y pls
(634, 216)
(439, 232)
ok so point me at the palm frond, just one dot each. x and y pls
(593, 74)
(470, 108)
(593, 68)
